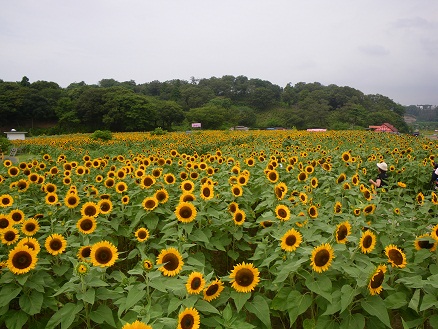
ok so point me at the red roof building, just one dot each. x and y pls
(386, 127)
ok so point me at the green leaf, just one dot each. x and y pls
(103, 314)
(64, 316)
(206, 307)
(16, 320)
(280, 301)
(412, 282)
(60, 269)
(288, 268)
(240, 299)
(433, 321)
(8, 293)
(356, 321)
(347, 295)
(87, 296)
(396, 300)
(174, 303)
(335, 305)
(227, 313)
(31, 304)
(135, 294)
(375, 306)
(428, 302)
(321, 286)
(260, 308)
(200, 235)
(297, 304)
(415, 300)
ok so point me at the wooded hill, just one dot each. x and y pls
(217, 103)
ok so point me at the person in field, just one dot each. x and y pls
(382, 177)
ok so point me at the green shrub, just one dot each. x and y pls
(104, 135)
(5, 144)
(159, 131)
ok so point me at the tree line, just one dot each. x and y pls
(217, 103)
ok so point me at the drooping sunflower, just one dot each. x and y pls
(266, 223)
(9, 236)
(213, 290)
(150, 203)
(291, 240)
(425, 241)
(86, 225)
(30, 226)
(103, 254)
(22, 259)
(142, 234)
(322, 257)
(185, 212)
(17, 216)
(341, 178)
(136, 325)
(312, 211)
(30, 242)
(239, 217)
(195, 283)
(84, 253)
(376, 280)
(6, 200)
(367, 242)
(171, 260)
(343, 230)
(105, 206)
(90, 209)
(396, 257)
(55, 244)
(187, 197)
(189, 319)
(282, 212)
(355, 179)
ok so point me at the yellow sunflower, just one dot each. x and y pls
(136, 325)
(189, 319)
(121, 187)
(105, 206)
(9, 236)
(55, 244)
(434, 232)
(84, 253)
(343, 230)
(314, 182)
(30, 242)
(86, 225)
(420, 198)
(376, 280)
(6, 200)
(213, 290)
(82, 268)
(90, 209)
(51, 198)
(233, 207)
(103, 254)
(369, 209)
(171, 260)
(396, 257)
(236, 190)
(169, 178)
(147, 181)
(401, 184)
(5, 222)
(337, 208)
(142, 234)
(322, 257)
(244, 277)
(162, 195)
(187, 186)
(71, 200)
(341, 178)
(282, 212)
(21, 260)
(30, 226)
(17, 216)
(291, 240)
(239, 217)
(147, 264)
(272, 176)
(195, 283)
(125, 199)
(367, 242)
(302, 176)
(425, 241)
(150, 203)
(313, 211)
(185, 212)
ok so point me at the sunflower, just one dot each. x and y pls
(6, 200)
(369, 209)
(13, 171)
(22, 185)
(150, 203)
(312, 211)
(103, 254)
(5, 222)
(71, 201)
(195, 283)
(109, 182)
(86, 225)
(355, 179)
(136, 325)
(341, 178)
(346, 157)
(367, 242)
(162, 195)
(17, 216)
(266, 223)
(55, 244)
(172, 260)
(302, 176)
(233, 207)
(367, 194)
(121, 187)
(30, 226)
(125, 199)
(82, 268)
(420, 198)
(343, 230)
(185, 212)
(376, 280)
(84, 253)
(147, 264)
(21, 260)
(187, 186)
(9, 236)
(213, 290)
(30, 242)
(425, 241)
(236, 190)
(169, 178)
(105, 206)
(401, 184)
(280, 190)
(291, 240)
(207, 192)
(314, 182)
(90, 209)
(51, 198)
(322, 257)
(396, 257)
(189, 319)
(272, 176)
(434, 232)
(142, 234)
(309, 169)
(282, 212)
(239, 217)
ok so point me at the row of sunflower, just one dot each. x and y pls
(219, 230)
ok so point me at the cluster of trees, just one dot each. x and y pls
(423, 114)
(218, 103)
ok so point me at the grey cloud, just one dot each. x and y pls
(374, 50)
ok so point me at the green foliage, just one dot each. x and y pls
(158, 131)
(104, 135)
(5, 144)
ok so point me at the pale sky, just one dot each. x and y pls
(387, 47)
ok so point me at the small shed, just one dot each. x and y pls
(386, 127)
(14, 135)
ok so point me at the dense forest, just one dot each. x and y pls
(218, 103)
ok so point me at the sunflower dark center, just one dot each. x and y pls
(272, 176)
(322, 257)
(171, 262)
(9, 236)
(185, 212)
(90, 211)
(206, 192)
(86, 224)
(4, 223)
(196, 283)
(312, 211)
(105, 206)
(282, 213)
(121, 187)
(16, 217)
(30, 245)
(212, 290)
(5, 201)
(22, 260)
(395, 256)
(424, 244)
(239, 217)
(187, 321)
(150, 204)
(302, 176)
(236, 191)
(21, 185)
(377, 279)
(51, 198)
(71, 200)
(30, 227)
(342, 232)
(55, 244)
(161, 196)
(244, 277)
(103, 255)
(368, 209)
(367, 241)
(142, 234)
(187, 187)
(169, 179)
(291, 240)
(86, 252)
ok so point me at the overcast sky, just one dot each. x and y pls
(387, 47)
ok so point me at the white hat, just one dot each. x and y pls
(383, 166)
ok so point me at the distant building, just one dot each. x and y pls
(386, 127)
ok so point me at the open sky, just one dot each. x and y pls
(385, 47)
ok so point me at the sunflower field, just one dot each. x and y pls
(213, 229)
